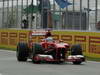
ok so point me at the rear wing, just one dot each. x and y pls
(38, 33)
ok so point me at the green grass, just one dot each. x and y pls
(6, 48)
(92, 59)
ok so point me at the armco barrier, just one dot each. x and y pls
(9, 38)
(90, 41)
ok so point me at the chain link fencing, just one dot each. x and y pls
(42, 14)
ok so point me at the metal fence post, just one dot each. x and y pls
(7, 13)
(96, 13)
(88, 11)
(3, 14)
(42, 15)
(66, 15)
(12, 12)
(54, 25)
(80, 14)
(73, 23)
(21, 12)
(17, 11)
(27, 6)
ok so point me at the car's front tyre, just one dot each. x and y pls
(22, 51)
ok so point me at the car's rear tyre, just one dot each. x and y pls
(76, 49)
(77, 62)
(22, 51)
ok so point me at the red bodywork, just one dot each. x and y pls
(57, 50)
(53, 51)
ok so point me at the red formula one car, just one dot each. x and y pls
(49, 50)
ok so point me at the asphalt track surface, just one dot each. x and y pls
(10, 66)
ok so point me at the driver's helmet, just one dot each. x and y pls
(49, 39)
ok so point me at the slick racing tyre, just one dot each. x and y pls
(22, 51)
(76, 49)
(77, 62)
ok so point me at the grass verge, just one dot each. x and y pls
(92, 59)
(6, 48)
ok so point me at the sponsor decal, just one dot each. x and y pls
(94, 44)
(66, 37)
(38, 33)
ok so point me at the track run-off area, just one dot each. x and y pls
(10, 66)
